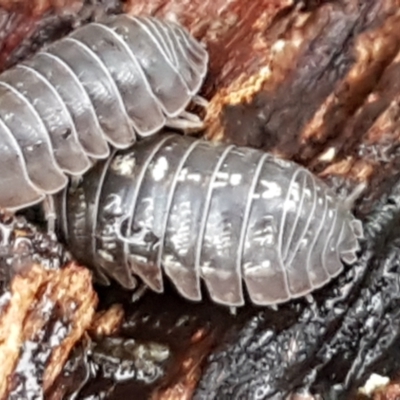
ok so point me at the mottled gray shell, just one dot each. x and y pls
(232, 216)
(105, 83)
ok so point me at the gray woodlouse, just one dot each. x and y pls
(194, 209)
(103, 84)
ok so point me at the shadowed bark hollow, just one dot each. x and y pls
(316, 82)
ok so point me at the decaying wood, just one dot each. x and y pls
(185, 382)
(39, 7)
(44, 310)
(312, 81)
(391, 392)
(107, 322)
(26, 26)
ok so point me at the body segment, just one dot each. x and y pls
(104, 84)
(237, 218)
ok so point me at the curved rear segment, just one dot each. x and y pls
(166, 82)
(298, 224)
(193, 56)
(183, 52)
(348, 244)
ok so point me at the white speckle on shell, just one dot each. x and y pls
(235, 179)
(180, 238)
(194, 177)
(183, 175)
(123, 165)
(273, 189)
(160, 169)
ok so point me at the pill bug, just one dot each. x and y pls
(105, 83)
(234, 217)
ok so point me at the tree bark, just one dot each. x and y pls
(316, 82)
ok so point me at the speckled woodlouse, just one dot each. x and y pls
(194, 209)
(103, 84)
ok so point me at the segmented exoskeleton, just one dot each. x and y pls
(232, 216)
(103, 84)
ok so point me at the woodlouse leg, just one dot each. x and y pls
(200, 101)
(357, 228)
(186, 122)
(141, 289)
(354, 195)
(190, 117)
(75, 181)
(50, 214)
(309, 298)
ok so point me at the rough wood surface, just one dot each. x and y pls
(390, 392)
(312, 81)
(44, 309)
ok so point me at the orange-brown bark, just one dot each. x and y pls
(314, 82)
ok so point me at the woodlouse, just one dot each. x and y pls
(194, 209)
(103, 84)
